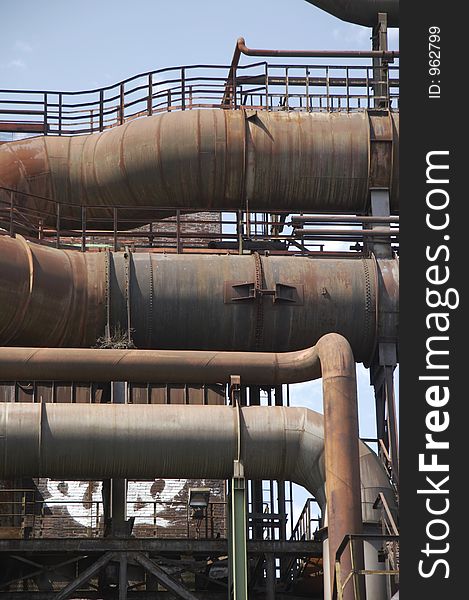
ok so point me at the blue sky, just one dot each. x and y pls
(65, 45)
(69, 46)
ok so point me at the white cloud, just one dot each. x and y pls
(23, 46)
(16, 63)
(352, 34)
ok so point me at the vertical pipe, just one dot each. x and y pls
(342, 459)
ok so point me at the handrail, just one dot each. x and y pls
(339, 585)
(259, 85)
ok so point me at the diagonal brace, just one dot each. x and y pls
(166, 580)
(87, 574)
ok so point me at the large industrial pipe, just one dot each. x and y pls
(55, 298)
(361, 12)
(212, 159)
(332, 358)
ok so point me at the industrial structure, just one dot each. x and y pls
(166, 272)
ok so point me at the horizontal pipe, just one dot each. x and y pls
(93, 442)
(312, 219)
(207, 159)
(63, 298)
(389, 55)
(157, 366)
(349, 232)
(361, 12)
(102, 441)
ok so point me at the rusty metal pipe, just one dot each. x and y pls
(361, 12)
(332, 358)
(312, 219)
(381, 232)
(212, 159)
(388, 55)
(64, 298)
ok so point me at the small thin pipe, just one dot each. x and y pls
(349, 232)
(307, 219)
(388, 55)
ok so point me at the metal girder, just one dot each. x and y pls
(169, 583)
(157, 546)
(68, 590)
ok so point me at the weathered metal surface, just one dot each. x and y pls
(275, 304)
(213, 159)
(50, 296)
(95, 442)
(361, 12)
(242, 48)
(275, 443)
(207, 547)
(342, 464)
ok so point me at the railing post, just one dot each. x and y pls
(234, 87)
(178, 232)
(240, 231)
(46, 126)
(150, 95)
(287, 98)
(114, 225)
(121, 104)
(101, 110)
(183, 88)
(57, 225)
(83, 228)
(60, 113)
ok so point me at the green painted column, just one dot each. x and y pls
(238, 537)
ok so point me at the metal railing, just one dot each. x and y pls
(308, 522)
(32, 516)
(352, 578)
(175, 230)
(262, 86)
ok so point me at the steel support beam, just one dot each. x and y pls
(166, 580)
(154, 545)
(87, 574)
(238, 544)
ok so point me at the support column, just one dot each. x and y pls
(380, 70)
(238, 534)
(270, 576)
(380, 207)
(238, 524)
(115, 490)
